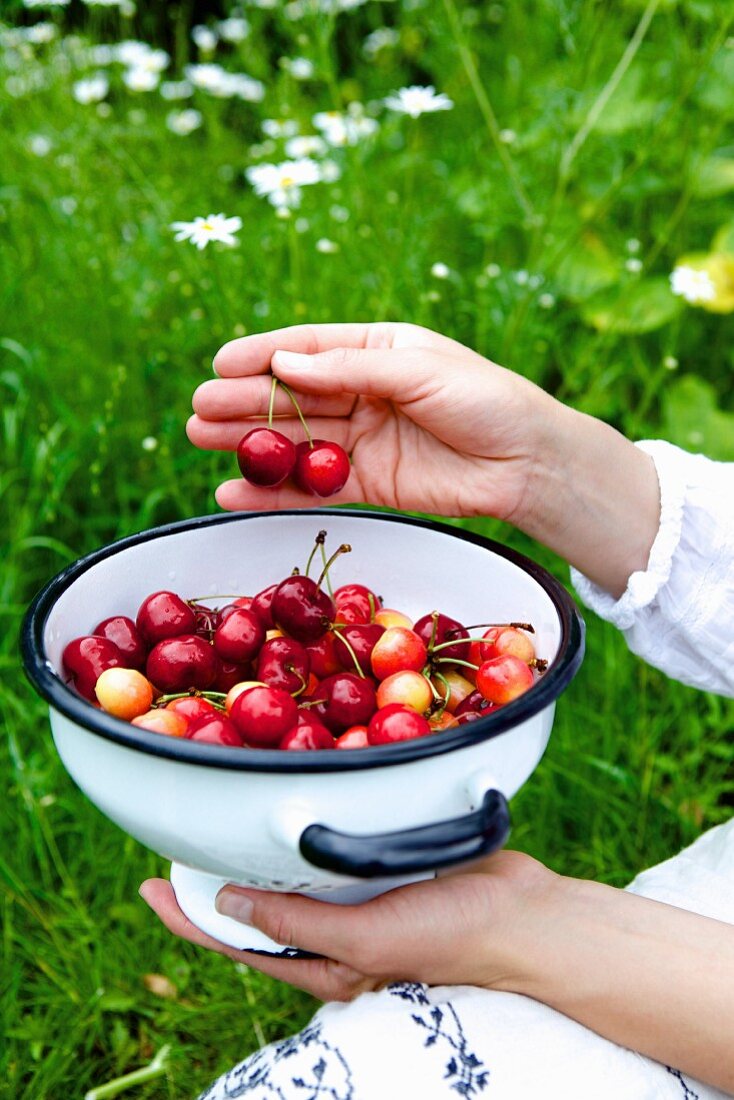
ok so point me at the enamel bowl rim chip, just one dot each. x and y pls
(65, 700)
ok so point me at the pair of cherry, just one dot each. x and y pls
(266, 457)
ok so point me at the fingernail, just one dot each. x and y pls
(293, 359)
(231, 904)
(143, 891)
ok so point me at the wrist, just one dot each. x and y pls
(593, 497)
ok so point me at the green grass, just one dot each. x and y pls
(619, 114)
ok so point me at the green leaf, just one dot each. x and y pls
(637, 307)
(716, 91)
(692, 419)
(724, 239)
(586, 269)
(714, 177)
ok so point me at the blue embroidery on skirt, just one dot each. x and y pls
(468, 1075)
(303, 1066)
(688, 1092)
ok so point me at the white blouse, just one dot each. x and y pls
(678, 615)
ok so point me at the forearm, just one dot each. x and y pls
(648, 976)
(593, 497)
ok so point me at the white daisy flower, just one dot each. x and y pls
(176, 89)
(382, 38)
(280, 127)
(440, 271)
(141, 80)
(40, 145)
(184, 122)
(417, 100)
(204, 38)
(300, 68)
(306, 145)
(344, 129)
(326, 246)
(234, 29)
(91, 89)
(41, 33)
(216, 227)
(694, 286)
(281, 183)
(131, 52)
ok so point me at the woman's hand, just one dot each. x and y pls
(432, 426)
(648, 976)
(478, 926)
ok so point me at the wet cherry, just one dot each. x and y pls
(85, 659)
(124, 633)
(164, 615)
(182, 664)
(302, 609)
(264, 715)
(321, 468)
(240, 636)
(396, 722)
(265, 457)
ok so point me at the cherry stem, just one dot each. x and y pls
(320, 539)
(216, 596)
(212, 697)
(297, 407)
(304, 683)
(373, 606)
(345, 548)
(348, 646)
(517, 626)
(455, 661)
(443, 700)
(434, 629)
(273, 388)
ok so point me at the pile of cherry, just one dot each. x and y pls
(294, 667)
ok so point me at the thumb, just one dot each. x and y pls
(324, 928)
(397, 374)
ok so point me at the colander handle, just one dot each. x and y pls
(425, 848)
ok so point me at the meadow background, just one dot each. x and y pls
(588, 155)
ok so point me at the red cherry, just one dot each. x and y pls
(265, 457)
(85, 659)
(302, 609)
(350, 701)
(126, 636)
(474, 703)
(353, 738)
(503, 679)
(240, 636)
(264, 715)
(323, 658)
(283, 663)
(396, 722)
(446, 630)
(310, 734)
(262, 606)
(362, 637)
(164, 615)
(184, 663)
(192, 708)
(215, 729)
(355, 604)
(322, 467)
(230, 673)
